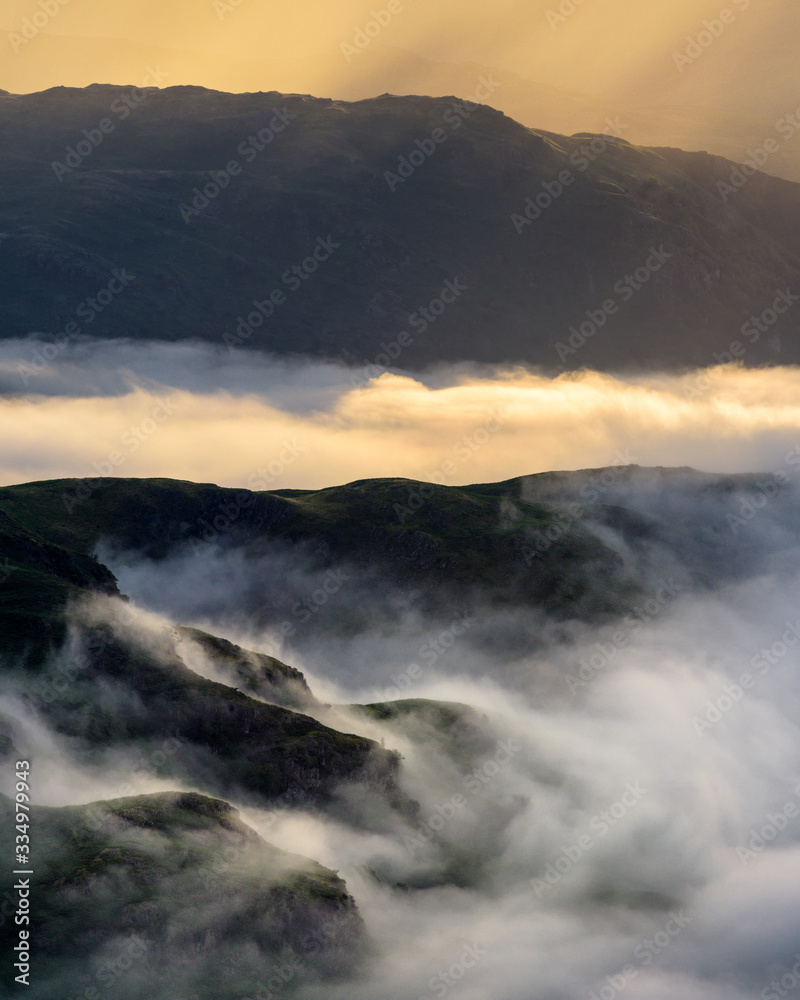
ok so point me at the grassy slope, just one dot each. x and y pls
(467, 537)
(184, 878)
(229, 740)
(482, 536)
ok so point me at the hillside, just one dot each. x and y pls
(130, 894)
(383, 208)
(582, 544)
(153, 882)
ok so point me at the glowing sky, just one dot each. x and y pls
(685, 72)
(674, 72)
(609, 51)
(313, 425)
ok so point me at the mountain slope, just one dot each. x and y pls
(579, 544)
(121, 240)
(157, 893)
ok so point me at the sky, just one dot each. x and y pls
(602, 49)
(692, 73)
(685, 72)
(241, 418)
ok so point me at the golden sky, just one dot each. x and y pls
(562, 65)
(463, 430)
(558, 64)
(607, 49)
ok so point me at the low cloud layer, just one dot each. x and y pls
(637, 835)
(189, 411)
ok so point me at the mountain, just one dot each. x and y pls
(728, 122)
(575, 545)
(389, 231)
(131, 894)
(175, 891)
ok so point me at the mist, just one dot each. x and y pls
(601, 806)
(613, 809)
(191, 411)
(653, 799)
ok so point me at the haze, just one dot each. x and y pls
(674, 72)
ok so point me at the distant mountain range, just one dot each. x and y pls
(699, 106)
(393, 231)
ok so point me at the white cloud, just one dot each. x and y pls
(100, 408)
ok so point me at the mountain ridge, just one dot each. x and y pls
(315, 243)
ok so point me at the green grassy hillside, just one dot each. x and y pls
(172, 894)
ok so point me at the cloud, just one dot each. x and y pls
(186, 411)
(611, 816)
(634, 832)
(605, 854)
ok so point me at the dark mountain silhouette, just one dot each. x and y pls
(397, 230)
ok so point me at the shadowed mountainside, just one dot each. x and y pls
(393, 215)
(133, 894)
